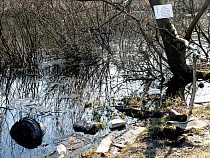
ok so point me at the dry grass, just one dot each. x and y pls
(202, 111)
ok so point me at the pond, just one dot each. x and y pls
(57, 94)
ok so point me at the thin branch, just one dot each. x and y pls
(195, 20)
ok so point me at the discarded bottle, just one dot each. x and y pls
(28, 132)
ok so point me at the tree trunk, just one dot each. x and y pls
(175, 52)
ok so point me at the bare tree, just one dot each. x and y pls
(75, 28)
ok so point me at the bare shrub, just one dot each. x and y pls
(76, 28)
(19, 34)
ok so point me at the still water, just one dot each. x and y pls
(56, 94)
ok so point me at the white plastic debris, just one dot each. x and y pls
(61, 149)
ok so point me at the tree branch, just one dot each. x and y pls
(195, 20)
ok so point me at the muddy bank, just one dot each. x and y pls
(169, 139)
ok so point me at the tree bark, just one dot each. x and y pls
(174, 49)
(175, 52)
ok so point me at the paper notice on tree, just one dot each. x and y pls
(163, 11)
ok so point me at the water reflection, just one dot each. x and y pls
(56, 94)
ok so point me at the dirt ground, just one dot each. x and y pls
(191, 143)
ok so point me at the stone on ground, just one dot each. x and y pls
(128, 137)
(117, 123)
(193, 122)
(105, 143)
(120, 142)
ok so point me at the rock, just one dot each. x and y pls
(118, 123)
(28, 132)
(193, 122)
(128, 137)
(105, 143)
(175, 116)
(166, 132)
(120, 142)
(86, 126)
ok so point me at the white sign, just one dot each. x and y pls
(163, 11)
